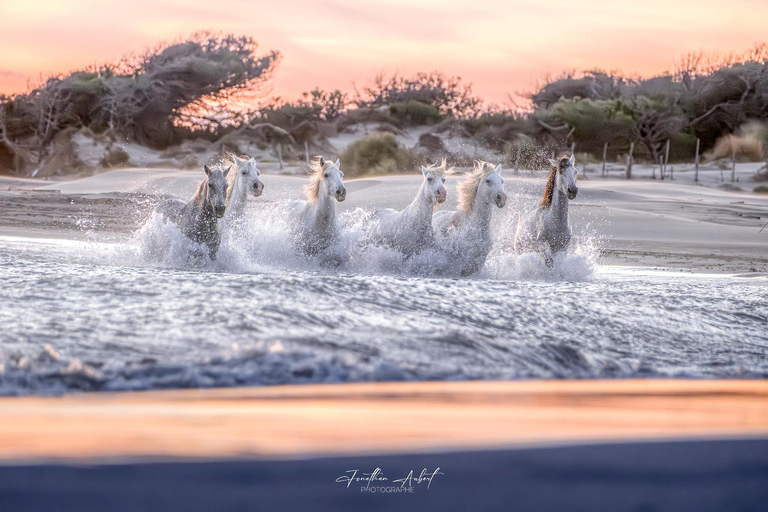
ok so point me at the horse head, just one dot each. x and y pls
(491, 188)
(566, 176)
(434, 181)
(332, 180)
(216, 190)
(250, 175)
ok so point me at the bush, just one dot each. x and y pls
(761, 189)
(379, 153)
(414, 113)
(315, 105)
(448, 95)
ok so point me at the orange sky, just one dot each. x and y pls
(499, 46)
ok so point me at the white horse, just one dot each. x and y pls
(469, 227)
(315, 219)
(546, 229)
(199, 218)
(243, 181)
(410, 230)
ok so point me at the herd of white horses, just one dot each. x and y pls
(221, 197)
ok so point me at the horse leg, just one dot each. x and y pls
(546, 253)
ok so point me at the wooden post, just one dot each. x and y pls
(696, 167)
(306, 150)
(605, 155)
(629, 160)
(666, 161)
(733, 162)
(280, 154)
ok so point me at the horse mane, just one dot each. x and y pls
(202, 191)
(440, 169)
(467, 188)
(229, 159)
(312, 189)
(546, 201)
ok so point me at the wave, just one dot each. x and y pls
(262, 241)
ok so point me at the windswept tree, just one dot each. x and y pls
(152, 98)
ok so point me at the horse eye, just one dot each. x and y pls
(325, 175)
(430, 180)
(443, 180)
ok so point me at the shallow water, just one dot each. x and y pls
(141, 315)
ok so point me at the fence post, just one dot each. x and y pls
(629, 160)
(306, 150)
(666, 161)
(280, 154)
(605, 154)
(696, 168)
(733, 162)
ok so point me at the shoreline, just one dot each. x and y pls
(634, 222)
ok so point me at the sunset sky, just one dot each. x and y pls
(499, 46)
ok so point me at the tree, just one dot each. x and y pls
(153, 98)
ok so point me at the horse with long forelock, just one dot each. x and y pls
(315, 218)
(410, 230)
(199, 218)
(242, 182)
(546, 229)
(469, 226)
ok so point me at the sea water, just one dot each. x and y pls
(155, 313)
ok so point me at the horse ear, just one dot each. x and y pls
(337, 163)
(237, 159)
(497, 170)
(227, 171)
(253, 161)
(207, 170)
(572, 160)
(552, 162)
(322, 161)
(424, 170)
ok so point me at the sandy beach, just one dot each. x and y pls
(640, 444)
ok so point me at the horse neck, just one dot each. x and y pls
(423, 205)
(480, 215)
(239, 194)
(323, 208)
(558, 208)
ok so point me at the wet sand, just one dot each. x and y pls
(341, 419)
